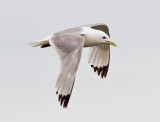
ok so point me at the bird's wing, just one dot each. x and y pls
(69, 48)
(99, 56)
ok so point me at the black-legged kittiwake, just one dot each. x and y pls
(68, 44)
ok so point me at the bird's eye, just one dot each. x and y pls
(104, 37)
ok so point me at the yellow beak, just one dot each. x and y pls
(112, 43)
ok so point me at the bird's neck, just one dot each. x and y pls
(91, 36)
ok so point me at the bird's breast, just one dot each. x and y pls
(90, 41)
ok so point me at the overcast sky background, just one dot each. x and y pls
(130, 93)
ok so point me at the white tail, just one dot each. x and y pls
(41, 42)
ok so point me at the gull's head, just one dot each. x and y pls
(104, 38)
(94, 37)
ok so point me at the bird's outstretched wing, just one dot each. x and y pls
(69, 47)
(99, 56)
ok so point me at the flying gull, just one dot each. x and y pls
(68, 44)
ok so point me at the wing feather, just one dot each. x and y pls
(69, 47)
(100, 60)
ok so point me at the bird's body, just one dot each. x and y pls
(68, 44)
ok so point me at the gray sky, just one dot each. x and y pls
(130, 93)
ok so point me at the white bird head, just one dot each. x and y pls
(94, 37)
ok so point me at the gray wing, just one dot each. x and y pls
(99, 56)
(69, 48)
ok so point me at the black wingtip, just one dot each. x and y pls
(64, 100)
(59, 97)
(101, 70)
